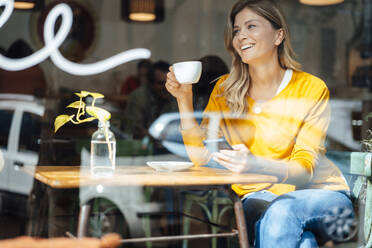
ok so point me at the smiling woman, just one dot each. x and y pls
(255, 35)
(280, 116)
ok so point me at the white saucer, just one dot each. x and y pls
(170, 165)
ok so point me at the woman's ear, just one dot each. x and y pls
(279, 37)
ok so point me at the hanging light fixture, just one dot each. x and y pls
(143, 10)
(320, 2)
(28, 4)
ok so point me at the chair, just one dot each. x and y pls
(360, 165)
(213, 212)
(108, 241)
(356, 167)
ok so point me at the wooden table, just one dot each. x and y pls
(201, 177)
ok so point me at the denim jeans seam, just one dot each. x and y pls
(311, 219)
(305, 222)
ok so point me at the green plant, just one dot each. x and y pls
(81, 109)
(95, 112)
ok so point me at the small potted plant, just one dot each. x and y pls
(103, 143)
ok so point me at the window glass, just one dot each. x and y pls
(5, 122)
(30, 132)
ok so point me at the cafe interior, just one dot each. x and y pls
(101, 53)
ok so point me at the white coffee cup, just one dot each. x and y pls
(187, 72)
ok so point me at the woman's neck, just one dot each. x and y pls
(265, 80)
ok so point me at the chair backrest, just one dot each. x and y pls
(361, 166)
(355, 166)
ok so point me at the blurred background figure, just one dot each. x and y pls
(30, 81)
(147, 103)
(213, 68)
(134, 81)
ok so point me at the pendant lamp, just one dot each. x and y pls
(320, 2)
(28, 4)
(143, 10)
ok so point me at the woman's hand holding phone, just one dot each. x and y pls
(236, 160)
(217, 144)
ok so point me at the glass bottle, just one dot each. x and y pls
(102, 150)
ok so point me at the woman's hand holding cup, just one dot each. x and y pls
(181, 76)
(174, 87)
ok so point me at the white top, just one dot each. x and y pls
(257, 108)
(286, 79)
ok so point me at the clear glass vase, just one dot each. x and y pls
(102, 151)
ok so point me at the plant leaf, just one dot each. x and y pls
(100, 113)
(61, 120)
(76, 104)
(96, 95)
(84, 93)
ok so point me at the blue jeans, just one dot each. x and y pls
(296, 219)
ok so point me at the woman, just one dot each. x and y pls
(284, 118)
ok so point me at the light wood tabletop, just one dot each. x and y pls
(58, 177)
(78, 176)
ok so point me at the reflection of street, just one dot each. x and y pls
(20, 127)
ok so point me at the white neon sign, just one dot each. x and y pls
(52, 43)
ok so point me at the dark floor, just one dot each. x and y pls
(161, 225)
(13, 226)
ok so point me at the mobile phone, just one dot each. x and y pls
(217, 144)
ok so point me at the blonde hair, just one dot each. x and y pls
(236, 86)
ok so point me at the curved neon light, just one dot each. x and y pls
(9, 4)
(52, 44)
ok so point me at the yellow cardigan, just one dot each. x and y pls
(289, 127)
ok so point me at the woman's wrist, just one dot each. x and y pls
(186, 110)
(185, 103)
(270, 167)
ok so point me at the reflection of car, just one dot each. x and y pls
(20, 128)
(166, 129)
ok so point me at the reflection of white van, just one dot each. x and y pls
(20, 128)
